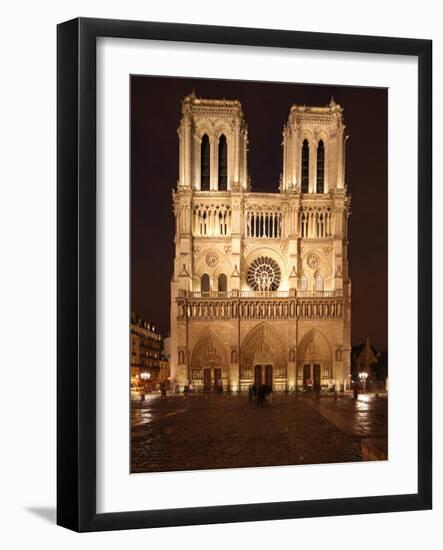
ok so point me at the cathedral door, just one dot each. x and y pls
(257, 374)
(218, 383)
(207, 379)
(306, 375)
(268, 375)
(317, 377)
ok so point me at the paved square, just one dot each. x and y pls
(221, 431)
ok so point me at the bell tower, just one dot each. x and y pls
(213, 176)
(314, 149)
(213, 143)
(313, 178)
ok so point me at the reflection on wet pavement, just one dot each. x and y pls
(225, 431)
(140, 417)
(365, 417)
(144, 414)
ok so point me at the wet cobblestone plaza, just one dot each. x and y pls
(222, 431)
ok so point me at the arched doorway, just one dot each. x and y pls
(263, 365)
(209, 370)
(262, 359)
(314, 361)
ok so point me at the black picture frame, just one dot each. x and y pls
(76, 279)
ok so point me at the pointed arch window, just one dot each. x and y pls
(204, 283)
(222, 283)
(205, 168)
(321, 167)
(318, 282)
(303, 282)
(222, 164)
(305, 167)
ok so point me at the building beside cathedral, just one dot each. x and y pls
(260, 290)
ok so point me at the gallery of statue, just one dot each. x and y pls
(260, 290)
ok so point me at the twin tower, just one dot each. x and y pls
(260, 290)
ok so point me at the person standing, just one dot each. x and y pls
(258, 394)
(261, 393)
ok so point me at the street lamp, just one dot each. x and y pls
(146, 376)
(363, 377)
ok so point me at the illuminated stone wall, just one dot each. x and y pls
(260, 278)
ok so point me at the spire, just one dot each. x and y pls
(332, 102)
(366, 356)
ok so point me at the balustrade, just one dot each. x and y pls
(315, 223)
(264, 223)
(259, 308)
(212, 220)
(263, 294)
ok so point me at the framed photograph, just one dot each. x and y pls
(244, 274)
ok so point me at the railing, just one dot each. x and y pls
(260, 308)
(261, 294)
(319, 293)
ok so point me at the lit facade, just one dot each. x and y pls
(260, 289)
(146, 348)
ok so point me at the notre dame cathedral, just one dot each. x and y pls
(260, 290)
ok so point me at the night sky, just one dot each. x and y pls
(155, 116)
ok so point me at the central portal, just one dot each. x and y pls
(263, 375)
(212, 379)
(312, 376)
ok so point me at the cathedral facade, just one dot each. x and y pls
(260, 290)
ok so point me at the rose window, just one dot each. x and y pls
(264, 274)
(313, 261)
(211, 259)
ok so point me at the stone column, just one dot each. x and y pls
(339, 376)
(181, 156)
(291, 375)
(196, 162)
(213, 156)
(236, 171)
(295, 152)
(187, 154)
(284, 182)
(340, 160)
(244, 170)
(234, 379)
